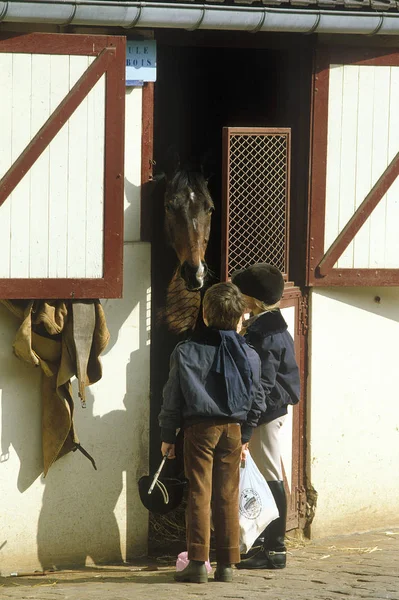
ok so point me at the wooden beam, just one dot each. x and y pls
(359, 218)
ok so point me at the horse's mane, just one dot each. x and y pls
(188, 177)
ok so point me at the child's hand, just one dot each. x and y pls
(244, 451)
(168, 449)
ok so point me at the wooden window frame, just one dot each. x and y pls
(111, 55)
(320, 271)
(228, 133)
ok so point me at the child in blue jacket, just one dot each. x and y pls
(214, 393)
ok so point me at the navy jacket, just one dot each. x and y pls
(213, 375)
(268, 334)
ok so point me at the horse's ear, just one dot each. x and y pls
(159, 177)
(171, 163)
(207, 165)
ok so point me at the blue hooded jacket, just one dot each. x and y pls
(214, 375)
(268, 334)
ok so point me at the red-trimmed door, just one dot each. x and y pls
(61, 165)
(354, 209)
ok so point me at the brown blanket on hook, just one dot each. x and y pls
(64, 338)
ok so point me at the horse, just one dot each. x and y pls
(181, 224)
(188, 209)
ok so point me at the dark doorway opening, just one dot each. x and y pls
(198, 92)
(201, 88)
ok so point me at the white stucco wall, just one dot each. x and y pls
(76, 514)
(353, 409)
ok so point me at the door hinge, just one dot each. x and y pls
(304, 315)
(301, 501)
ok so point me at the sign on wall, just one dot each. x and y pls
(141, 61)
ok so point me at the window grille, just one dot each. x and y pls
(256, 177)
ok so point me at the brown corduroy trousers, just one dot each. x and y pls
(212, 453)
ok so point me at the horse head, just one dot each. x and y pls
(188, 212)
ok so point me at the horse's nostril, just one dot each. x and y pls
(193, 275)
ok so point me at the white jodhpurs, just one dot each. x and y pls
(265, 449)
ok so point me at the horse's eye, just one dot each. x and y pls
(169, 207)
(210, 210)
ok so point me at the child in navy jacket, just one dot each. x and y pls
(214, 393)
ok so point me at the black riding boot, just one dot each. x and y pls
(273, 553)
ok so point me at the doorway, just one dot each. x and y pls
(213, 80)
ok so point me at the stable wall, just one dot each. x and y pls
(353, 409)
(76, 514)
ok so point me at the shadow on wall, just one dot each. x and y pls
(382, 301)
(20, 407)
(87, 513)
(77, 518)
(97, 515)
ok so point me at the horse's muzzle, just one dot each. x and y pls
(193, 275)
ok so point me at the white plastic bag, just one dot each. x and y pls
(256, 505)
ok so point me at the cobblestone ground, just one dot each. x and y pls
(354, 566)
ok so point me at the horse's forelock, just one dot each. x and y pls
(189, 179)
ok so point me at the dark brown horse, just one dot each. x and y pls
(182, 213)
(188, 209)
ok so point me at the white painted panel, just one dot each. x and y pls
(363, 136)
(5, 158)
(20, 198)
(77, 170)
(287, 429)
(95, 180)
(380, 163)
(364, 159)
(56, 212)
(392, 198)
(58, 174)
(333, 154)
(347, 187)
(39, 177)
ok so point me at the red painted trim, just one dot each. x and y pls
(224, 251)
(359, 277)
(293, 298)
(53, 43)
(319, 125)
(287, 202)
(54, 123)
(359, 218)
(258, 130)
(309, 174)
(114, 179)
(57, 288)
(388, 57)
(147, 152)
